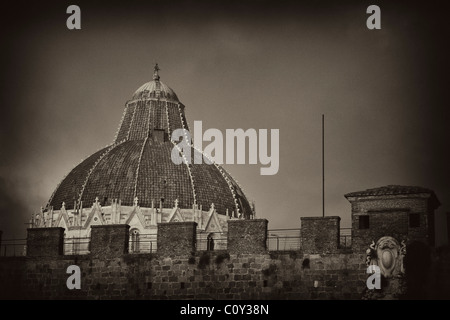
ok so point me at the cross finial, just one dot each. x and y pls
(155, 72)
(176, 203)
(135, 201)
(63, 205)
(212, 206)
(96, 199)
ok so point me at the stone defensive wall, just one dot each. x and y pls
(321, 269)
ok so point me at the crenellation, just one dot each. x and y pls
(243, 270)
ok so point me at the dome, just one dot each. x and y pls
(138, 164)
(155, 89)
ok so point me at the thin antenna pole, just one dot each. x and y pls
(323, 165)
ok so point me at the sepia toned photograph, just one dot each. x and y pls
(230, 151)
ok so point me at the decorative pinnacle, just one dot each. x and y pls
(155, 72)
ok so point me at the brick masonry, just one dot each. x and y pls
(389, 216)
(109, 241)
(176, 238)
(394, 224)
(320, 234)
(247, 236)
(45, 241)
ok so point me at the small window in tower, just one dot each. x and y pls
(414, 220)
(364, 222)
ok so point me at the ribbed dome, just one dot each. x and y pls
(138, 163)
(155, 89)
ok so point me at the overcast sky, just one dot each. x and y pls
(244, 64)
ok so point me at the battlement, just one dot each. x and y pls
(173, 239)
(241, 265)
(404, 213)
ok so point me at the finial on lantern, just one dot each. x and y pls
(155, 72)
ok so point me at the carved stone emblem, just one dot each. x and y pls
(387, 254)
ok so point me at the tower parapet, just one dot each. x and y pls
(402, 212)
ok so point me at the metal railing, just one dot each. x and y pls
(143, 243)
(211, 241)
(277, 240)
(13, 247)
(290, 239)
(212, 244)
(77, 246)
(345, 237)
(283, 239)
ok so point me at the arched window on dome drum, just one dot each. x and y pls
(134, 240)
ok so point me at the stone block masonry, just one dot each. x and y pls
(205, 275)
(176, 272)
(45, 242)
(246, 270)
